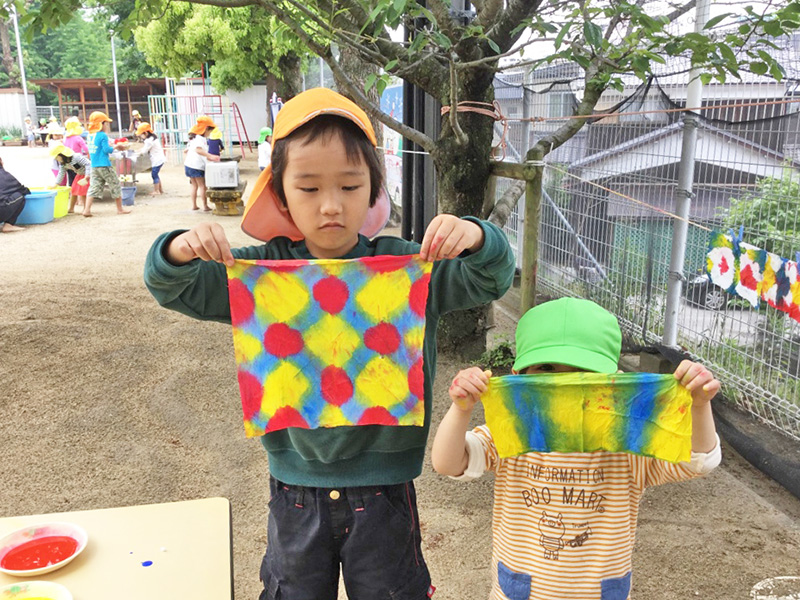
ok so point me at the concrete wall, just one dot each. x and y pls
(12, 108)
(252, 104)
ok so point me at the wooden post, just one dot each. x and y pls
(530, 235)
(105, 98)
(60, 107)
(83, 104)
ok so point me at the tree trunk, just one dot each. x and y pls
(290, 76)
(8, 58)
(358, 70)
(462, 171)
(462, 174)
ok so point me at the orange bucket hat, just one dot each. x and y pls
(263, 218)
(201, 124)
(96, 120)
(143, 128)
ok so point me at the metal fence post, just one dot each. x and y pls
(683, 200)
(530, 245)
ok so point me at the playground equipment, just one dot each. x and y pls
(172, 116)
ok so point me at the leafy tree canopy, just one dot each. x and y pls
(240, 43)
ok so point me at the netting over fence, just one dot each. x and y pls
(604, 236)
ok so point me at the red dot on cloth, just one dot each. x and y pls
(747, 278)
(281, 340)
(383, 338)
(416, 380)
(418, 296)
(723, 265)
(251, 391)
(331, 293)
(336, 385)
(285, 266)
(284, 417)
(388, 264)
(242, 302)
(377, 415)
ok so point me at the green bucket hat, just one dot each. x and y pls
(569, 331)
(264, 134)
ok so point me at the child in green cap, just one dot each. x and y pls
(264, 148)
(564, 523)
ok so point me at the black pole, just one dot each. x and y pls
(407, 219)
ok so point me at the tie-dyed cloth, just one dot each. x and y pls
(754, 274)
(324, 343)
(639, 413)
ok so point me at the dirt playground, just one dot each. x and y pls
(109, 400)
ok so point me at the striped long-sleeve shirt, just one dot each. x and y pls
(563, 524)
(78, 163)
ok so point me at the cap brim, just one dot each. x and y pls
(264, 217)
(580, 358)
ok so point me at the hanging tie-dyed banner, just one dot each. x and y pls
(325, 343)
(754, 274)
(638, 413)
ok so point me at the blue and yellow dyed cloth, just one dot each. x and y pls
(638, 413)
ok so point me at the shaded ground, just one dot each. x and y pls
(109, 400)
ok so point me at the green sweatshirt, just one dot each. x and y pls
(343, 456)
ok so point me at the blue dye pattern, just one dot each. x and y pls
(617, 588)
(521, 398)
(642, 405)
(147, 563)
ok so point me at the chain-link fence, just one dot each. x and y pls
(604, 234)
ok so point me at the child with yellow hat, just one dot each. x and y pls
(136, 120)
(153, 148)
(79, 165)
(564, 522)
(73, 139)
(197, 155)
(102, 172)
(342, 497)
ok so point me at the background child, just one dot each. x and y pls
(30, 132)
(136, 120)
(563, 524)
(264, 147)
(344, 496)
(152, 146)
(12, 200)
(194, 165)
(73, 140)
(215, 145)
(72, 162)
(102, 172)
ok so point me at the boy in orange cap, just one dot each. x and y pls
(102, 172)
(342, 497)
(197, 155)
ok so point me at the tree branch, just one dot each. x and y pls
(504, 206)
(591, 95)
(461, 138)
(487, 12)
(509, 19)
(375, 112)
(227, 3)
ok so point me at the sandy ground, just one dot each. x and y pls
(109, 400)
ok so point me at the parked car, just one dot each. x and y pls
(701, 292)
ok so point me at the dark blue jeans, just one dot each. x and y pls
(372, 532)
